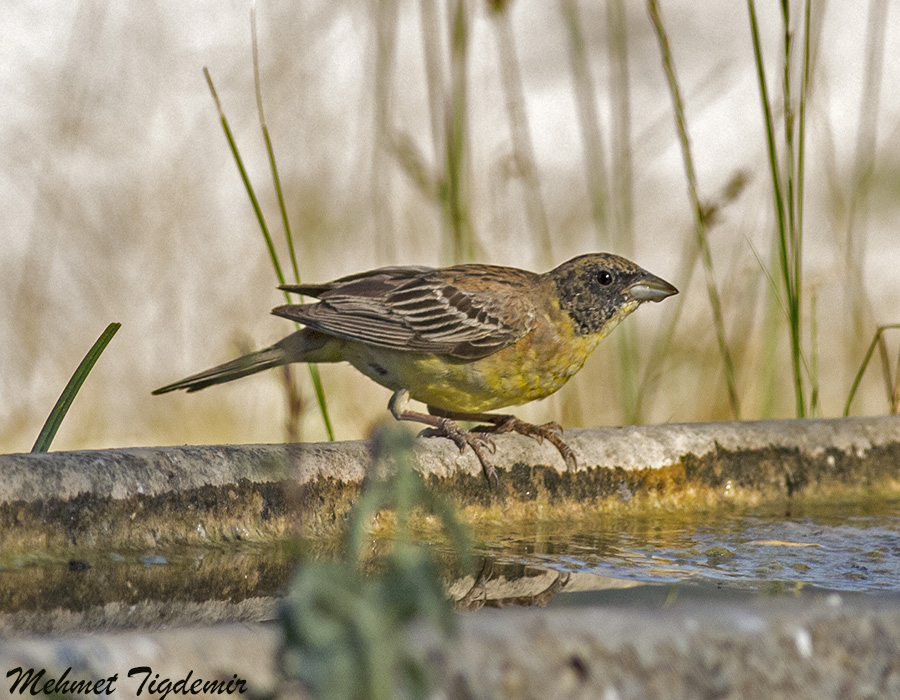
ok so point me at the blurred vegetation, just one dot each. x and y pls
(313, 369)
(700, 215)
(347, 635)
(890, 372)
(513, 132)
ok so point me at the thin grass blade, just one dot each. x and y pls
(54, 420)
(699, 217)
(246, 179)
(865, 364)
(314, 374)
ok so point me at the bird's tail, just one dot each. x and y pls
(301, 346)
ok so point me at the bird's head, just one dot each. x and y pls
(600, 289)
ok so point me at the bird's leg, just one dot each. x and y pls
(442, 426)
(505, 423)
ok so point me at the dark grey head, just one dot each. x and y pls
(600, 289)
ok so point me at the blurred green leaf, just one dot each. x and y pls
(345, 634)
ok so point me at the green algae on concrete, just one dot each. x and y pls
(144, 497)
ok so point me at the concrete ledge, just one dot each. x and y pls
(775, 649)
(187, 495)
(820, 648)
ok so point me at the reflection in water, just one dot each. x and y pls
(843, 548)
(641, 559)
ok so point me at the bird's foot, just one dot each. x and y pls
(552, 432)
(479, 443)
(445, 426)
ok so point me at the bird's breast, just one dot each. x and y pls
(535, 366)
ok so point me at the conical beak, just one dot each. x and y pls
(651, 288)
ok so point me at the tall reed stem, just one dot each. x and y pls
(700, 227)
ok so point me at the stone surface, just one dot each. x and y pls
(819, 649)
(823, 647)
(815, 648)
(190, 495)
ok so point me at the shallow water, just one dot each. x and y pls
(839, 547)
(642, 559)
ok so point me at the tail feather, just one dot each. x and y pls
(305, 345)
(241, 367)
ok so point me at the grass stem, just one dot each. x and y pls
(279, 273)
(876, 340)
(457, 148)
(700, 226)
(789, 235)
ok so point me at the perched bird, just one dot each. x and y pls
(463, 340)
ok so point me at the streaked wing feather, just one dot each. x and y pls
(368, 283)
(465, 312)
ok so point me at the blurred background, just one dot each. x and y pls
(519, 133)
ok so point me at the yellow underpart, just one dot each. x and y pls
(537, 365)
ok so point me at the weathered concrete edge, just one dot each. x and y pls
(143, 497)
(149, 471)
(819, 648)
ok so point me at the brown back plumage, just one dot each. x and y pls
(466, 312)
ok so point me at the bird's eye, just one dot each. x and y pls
(604, 277)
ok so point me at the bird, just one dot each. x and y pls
(464, 340)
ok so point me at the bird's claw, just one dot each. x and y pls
(461, 438)
(481, 444)
(552, 432)
(552, 428)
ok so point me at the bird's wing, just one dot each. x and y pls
(467, 312)
(369, 283)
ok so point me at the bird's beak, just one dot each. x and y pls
(651, 288)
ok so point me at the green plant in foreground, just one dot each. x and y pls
(346, 635)
(54, 420)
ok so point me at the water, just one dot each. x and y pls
(836, 547)
(624, 559)
(840, 548)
